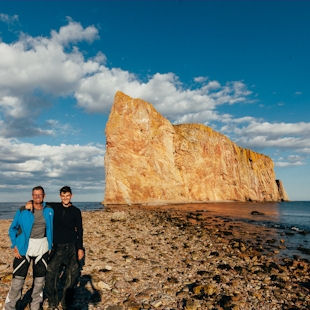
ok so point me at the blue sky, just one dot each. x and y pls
(241, 67)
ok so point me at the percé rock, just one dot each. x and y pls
(150, 161)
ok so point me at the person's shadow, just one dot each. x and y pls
(82, 295)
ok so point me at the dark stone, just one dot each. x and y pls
(305, 284)
(225, 300)
(257, 213)
(238, 269)
(224, 267)
(173, 280)
(217, 278)
(202, 272)
(273, 277)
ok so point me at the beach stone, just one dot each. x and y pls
(191, 304)
(118, 216)
(104, 286)
(114, 307)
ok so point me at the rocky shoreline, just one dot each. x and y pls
(174, 258)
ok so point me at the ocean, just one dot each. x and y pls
(290, 219)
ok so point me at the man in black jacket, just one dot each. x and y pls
(67, 249)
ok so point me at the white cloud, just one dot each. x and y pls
(283, 164)
(275, 129)
(200, 79)
(74, 32)
(8, 19)
(290, 161)
(95, 93)
(34, 68)
(80, 165)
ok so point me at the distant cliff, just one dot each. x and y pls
(150, 161)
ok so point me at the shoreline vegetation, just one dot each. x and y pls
(175, 257)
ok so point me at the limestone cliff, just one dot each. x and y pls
(150, 161)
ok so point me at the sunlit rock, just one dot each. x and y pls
(150, 161)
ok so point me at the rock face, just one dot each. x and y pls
(150, 161)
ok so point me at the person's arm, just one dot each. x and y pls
(29, 205)
(13, 232)
(79, 233)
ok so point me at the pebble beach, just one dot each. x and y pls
(177, 258)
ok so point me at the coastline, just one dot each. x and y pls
(179, 258)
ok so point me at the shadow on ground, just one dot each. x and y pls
(82, 296)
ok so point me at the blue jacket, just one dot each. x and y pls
(20, 229)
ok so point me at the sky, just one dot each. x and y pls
(240, 67)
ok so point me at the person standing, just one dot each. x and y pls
(67, 249)
(31, 234)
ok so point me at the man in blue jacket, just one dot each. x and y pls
(31, 234)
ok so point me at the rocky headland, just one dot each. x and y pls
(178, 258)
(150, 161)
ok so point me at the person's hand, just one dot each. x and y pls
(16, 253)
(80, 254)
(29, 205)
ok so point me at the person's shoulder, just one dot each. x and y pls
(53, 205)
(21, 211)
(76, 210)
(22, 208)
(48, 206)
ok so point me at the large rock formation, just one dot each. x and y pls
(150, 161)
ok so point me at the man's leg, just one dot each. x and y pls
(20, 269)
(39, 272)
(51, 279)
(72, 274)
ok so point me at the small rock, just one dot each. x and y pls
(104, 286)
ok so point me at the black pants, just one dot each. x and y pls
(63, 256)
(21, 265)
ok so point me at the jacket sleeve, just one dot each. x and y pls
(79, 229)
(14, 228)
(51, 227)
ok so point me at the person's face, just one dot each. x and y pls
(37, 196)
(65, 198)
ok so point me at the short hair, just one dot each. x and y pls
(38, 188)
(65, 189)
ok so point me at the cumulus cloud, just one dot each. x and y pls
(74, 32)
(260, 135)
(95, 93)
(54, 166)
(34, 68)
(288, 164)
(275, 129)
(291, 160)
